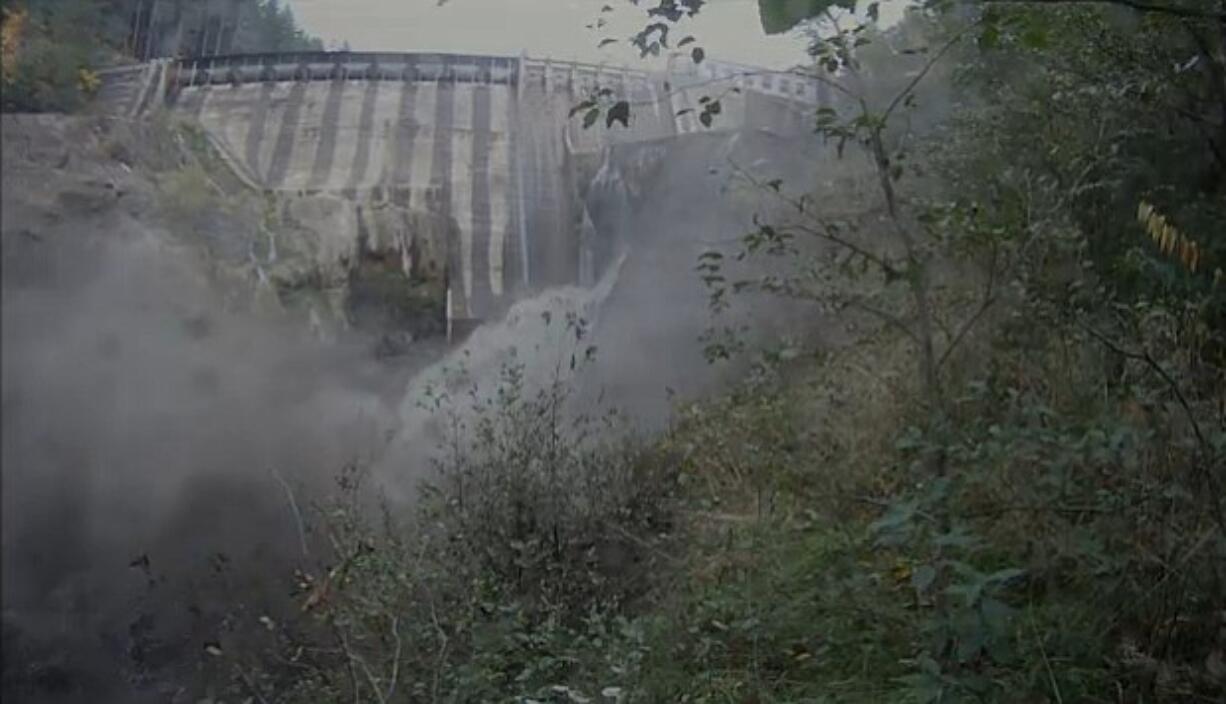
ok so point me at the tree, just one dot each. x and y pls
(269, 26)
(1190, 35)
(863, 120)
(51, 44)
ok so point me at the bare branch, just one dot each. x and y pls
(247, 682)
(932, 61)
(1207, 453)
(391, 687)
(825, 233)
(989, 297)
(293, 504)
(888, 318)
(353, 674)
(885, 266)
(1157, 368)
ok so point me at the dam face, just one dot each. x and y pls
(487, 143)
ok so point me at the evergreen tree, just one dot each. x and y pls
(269, 26)
(50, 46)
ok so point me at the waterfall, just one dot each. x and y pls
(535, 333)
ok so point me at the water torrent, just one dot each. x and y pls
(540, 333)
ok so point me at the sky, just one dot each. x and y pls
(729, 30)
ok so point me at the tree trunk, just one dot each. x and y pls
(917, 276)
(151, 38)
(1220, 77)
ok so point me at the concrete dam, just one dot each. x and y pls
(487, 145)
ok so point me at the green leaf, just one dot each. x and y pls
(989, 38)
(605, 42)
(698, 54)
(897, 516)
(996, 614)
(923, 577)
(705, 118)
(780, 16)
(620, 112)
(590, 117)
(581, 107)
(957, 537)
(971, 640)
(1034, 36)
(1005, 575)
(688, 40)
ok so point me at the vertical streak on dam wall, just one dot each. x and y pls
(545, 181)
(519, 250)
(438, 198)
(366, 136)
(480, 285)
(329, 135)
(283, 145)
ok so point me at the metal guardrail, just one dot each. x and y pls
(590, 67)
(465, 68)
(174, 75)
(323, 66)
(326, 66)
(789, 84)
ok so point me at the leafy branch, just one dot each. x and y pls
(1138, 5)
(1207, 451)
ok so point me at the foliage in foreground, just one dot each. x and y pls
(790, 542)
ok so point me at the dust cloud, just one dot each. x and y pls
(144, 432)
(159, 448)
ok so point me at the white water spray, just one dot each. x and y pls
(540, 333)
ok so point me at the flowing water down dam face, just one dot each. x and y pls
(181, 383)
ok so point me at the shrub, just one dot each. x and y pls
(538, 528)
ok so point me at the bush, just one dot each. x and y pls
(538, 528)
(50, 47)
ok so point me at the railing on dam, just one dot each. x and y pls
(133, 89)
(473, 68)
